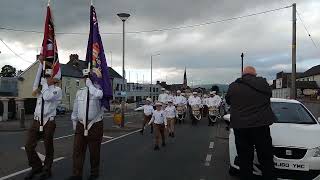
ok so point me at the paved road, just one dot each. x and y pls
(131, 157)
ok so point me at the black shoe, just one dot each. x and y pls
(45, 175)
(163, 144)
(75, 178)
(156, 148)
(32, 173)
(141, 131)
(93, 177)
(172, 135)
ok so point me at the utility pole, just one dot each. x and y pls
(151, 73)
(293, 93)
(242, 55)
(151, 79)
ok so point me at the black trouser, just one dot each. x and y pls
(33, 137)
(259, 138)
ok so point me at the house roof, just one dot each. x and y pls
(315, 70)
(75, 70)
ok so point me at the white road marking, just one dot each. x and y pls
(63, 137)
(26, 170)
(211, 145)
(41, 156)
(208, 159)
(61, 158)
(108, 137)
(121, 136)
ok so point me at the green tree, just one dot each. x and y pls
(8, 71)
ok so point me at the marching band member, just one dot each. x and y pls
(205, 107)
(213, 101)
(160, 124)
(95, 126)
(148, 111)
(180, 100)
(170, 113)
(194, 100)
(52, 95)
(163, 97)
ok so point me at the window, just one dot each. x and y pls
(117, 88)
(291, 113)
(150, 89)
(77, 83)
(154, 89)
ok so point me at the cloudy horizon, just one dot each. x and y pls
(211, 53)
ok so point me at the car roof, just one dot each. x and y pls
(285, 100)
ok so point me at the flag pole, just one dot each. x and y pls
(42, 100)
(85, 123)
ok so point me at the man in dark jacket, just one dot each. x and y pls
(251, 116)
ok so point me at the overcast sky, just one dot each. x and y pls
(210, 53)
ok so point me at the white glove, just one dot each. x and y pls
(149, 123)
(88, 82)
(74, 124)
(43, 81)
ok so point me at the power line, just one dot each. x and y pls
(307, 31)
(157, 30)
(14, 52)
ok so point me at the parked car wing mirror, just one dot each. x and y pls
(226, 117)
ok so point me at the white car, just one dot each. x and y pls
(296, 142)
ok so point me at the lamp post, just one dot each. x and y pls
(151, 73)
(123, 17)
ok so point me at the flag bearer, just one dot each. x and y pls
(148, 111)
(94, 125)
(170, 113)
(52, 95)
(160, 124)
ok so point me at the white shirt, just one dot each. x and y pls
(214, 101)
(158, 117)
(52, 96)
(194, 101)
(170, 111)
(163, 98)
(147, 109)
(170, 97)
(95, 113)
(180, 100)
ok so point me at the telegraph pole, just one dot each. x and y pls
(293, 93)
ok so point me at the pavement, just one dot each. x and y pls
(196, 153)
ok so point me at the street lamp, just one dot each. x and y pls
(151, 72)
(123, 17)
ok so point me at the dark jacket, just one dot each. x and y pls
(249, 98)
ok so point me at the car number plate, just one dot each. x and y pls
(291, 165)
